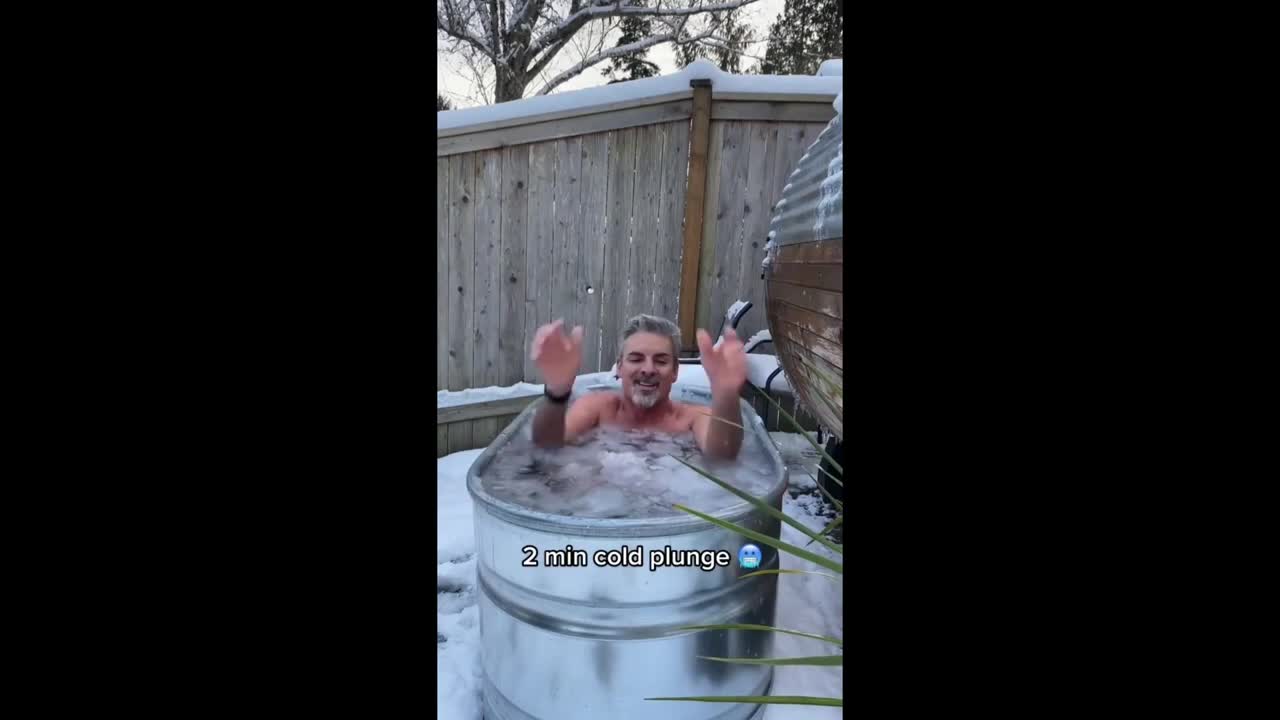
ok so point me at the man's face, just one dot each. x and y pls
(647, 368)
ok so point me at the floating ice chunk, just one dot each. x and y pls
(616, 473)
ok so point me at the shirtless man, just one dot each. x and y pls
(648, 366)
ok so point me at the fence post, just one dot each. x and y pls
(694, 206)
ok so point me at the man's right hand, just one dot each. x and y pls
(558, 356)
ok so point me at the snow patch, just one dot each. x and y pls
(450, 398)
(831, 68)
(674, 87)
(830, 189)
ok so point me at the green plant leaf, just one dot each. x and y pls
(839, 505)
(763, 506)
(834, 479)
(799, 429)
(771, 542)
(830, 526)
(762, 700)
(766, 628)
(787, 572)
(823, 660)
(726, 422)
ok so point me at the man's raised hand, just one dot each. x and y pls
(558, 356)
(726, 366)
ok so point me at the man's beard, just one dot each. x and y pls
(644, 400)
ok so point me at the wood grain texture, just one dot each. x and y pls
(488, 286)
(538, 257)
(773, 112)
(819, 301)
(707, 248)
(617, 252)
(720, 279)
(568, 128)
(595, 186)
(629, 104)
(824, 276)
(694, 225)
(670, 247)
(816, 344)
(461, 279)
(821, 325)
(830, 251)
(644, 234)
(486, 410)
(512, 278)
(763, 138)
(442, 274)
(567, 237)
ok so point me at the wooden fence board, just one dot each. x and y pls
(619, 197)
(567, 238)
(570, 127)
(763, 138)
(461, 277)
(644, 235)
(595, 186)
(726, 263)
(486, 410)
(515, 216)
(542, 180)
(773, 112)
(442, 274)
(715, 156)
(675, 161)
(487, 299)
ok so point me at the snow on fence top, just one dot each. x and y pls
(724, 86)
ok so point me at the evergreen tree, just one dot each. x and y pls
(807, 32)
(633, 66)
(732, 39)
(442, 103)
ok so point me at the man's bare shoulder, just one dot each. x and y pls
(688, 412)
(599, 400)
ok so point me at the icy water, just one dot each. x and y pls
(613, 473)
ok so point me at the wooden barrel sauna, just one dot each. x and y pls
(804, 293)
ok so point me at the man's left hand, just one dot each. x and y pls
(726, 366)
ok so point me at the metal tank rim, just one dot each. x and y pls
(612, 527)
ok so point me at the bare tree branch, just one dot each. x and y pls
(509, 44)
(576, 20)
(454, 25)
(547, 57)
(617, 52)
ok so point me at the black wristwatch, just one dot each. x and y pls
(557, 399)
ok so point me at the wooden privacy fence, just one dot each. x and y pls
(596, 215)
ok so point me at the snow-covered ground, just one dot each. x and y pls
(805, 602)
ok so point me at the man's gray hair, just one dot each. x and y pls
(652, 324)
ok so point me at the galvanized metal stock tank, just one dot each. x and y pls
(591, 643)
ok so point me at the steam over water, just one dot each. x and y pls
(613, 473)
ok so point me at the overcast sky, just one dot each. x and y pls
(453, 80)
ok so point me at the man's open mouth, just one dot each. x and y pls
(648, 384)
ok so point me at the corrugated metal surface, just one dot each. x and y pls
(812, 204)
